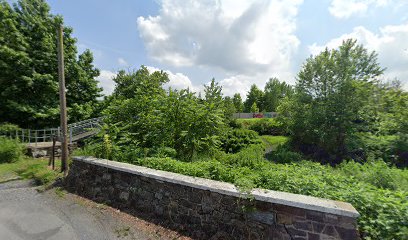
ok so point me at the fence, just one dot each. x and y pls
(75, 132)
(255, 115)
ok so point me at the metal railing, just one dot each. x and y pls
(76, 131)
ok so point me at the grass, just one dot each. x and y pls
(29, 168)
(274, 141)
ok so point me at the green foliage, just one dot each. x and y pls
(274, 92)
(28, 67)
(255, 95)
(142, 115)
(263, 126)
(254, 108)
(275, 140)
(6, 128)
(229, 109)
(237, 139)
(283, 154)
(238, 104)
(327, 103)
(377, 173)
(390, 148)
(10, 150)
(376, 190)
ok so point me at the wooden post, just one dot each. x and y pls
(63, 103)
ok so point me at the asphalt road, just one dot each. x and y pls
(29, 215)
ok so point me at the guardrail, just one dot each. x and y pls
(46, 135)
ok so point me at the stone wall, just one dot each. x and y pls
(207, 209)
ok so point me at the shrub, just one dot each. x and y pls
(7, 128)
(391, 148)
(250, 156)
(377, 173)
(283, 154)
(263, 126)
(237, 139)
(10, 150)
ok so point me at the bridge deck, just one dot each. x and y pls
(75, 138)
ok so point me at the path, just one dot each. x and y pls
(27, 214)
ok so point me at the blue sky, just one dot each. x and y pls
(239, 42)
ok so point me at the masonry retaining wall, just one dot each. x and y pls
(207, 209)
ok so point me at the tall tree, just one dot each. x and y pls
(213, 93)
(237, 100)
(28, 67)
(326, 107)
(255, 95)
(274, 92)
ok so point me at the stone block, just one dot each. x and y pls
(124, 196)
(315, 216)
(303, 225)
(347, 233)
(318, 227)
(329, 230)
(284, 219)
(295, 232)
(267, 218)
(313, 236)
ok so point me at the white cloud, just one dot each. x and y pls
(391, 45)
(122, 62)
(347, 8)
(106, 82)
(176, 80)
(247, 41)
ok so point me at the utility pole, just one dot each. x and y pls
(63, 102)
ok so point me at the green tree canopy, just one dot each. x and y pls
(255, 95)
(29, 68)
(325, 110)
(254, 108)
(237, 100)
(141, 114)
(274, 92)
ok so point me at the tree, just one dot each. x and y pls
(213, 93)
(254, 108)
(229, 108)
(135, 108)
(326, 107)
(29, 95)
(274, 92)
(237, 100)
(254, 95)
(142, 115)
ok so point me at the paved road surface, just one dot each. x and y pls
(29, 215)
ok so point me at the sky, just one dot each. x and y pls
(237, 42)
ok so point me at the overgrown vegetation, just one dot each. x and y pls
(28, 168)
(263, 126)
(345, 132)
(338, 98)
(10, 150)
(331, 117)
(375, 189)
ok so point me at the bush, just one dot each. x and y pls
(237, 139)
(263, 126)
(377, 173)
(283, 154)
(390, 148)
(7, 128)
(10, 150)
(250, 156)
